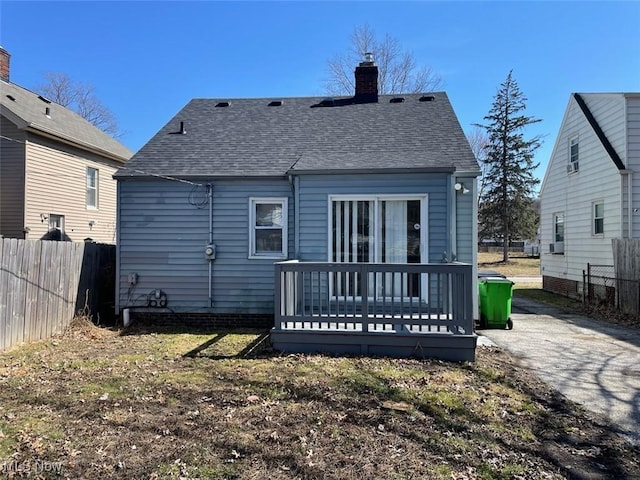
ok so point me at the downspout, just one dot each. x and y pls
(629, 175)
(630, 202)
(453, 218)
(474, 250)
(210, 201)
(295, 186)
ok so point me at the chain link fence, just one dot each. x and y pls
(603, 288)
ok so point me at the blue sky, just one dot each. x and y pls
(147, 59)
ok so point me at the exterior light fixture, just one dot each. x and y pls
(461, 188)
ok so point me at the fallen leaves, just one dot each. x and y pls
(126, 407)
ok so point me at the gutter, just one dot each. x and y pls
(371, 171)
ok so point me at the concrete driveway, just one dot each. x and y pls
(590, 362)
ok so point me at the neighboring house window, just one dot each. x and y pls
(268, 223)
(56, 227)
(574, 154)
(92, 187)
(558, 227)
(598, 218)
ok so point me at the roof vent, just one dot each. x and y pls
(180, 131)
(222, 104)
(11, 98)
(47, 112)
(45, 100)
(275, 103)
(427, 98)
(397, 100)
(327, 102)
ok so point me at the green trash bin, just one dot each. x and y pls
(494, 295)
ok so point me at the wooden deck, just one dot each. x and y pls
(399, 310)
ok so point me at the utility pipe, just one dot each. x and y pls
(210, 200)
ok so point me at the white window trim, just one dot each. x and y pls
(575, 139)
(573, 165)
(60, 217)
(555, 223)
(593, 218)
(96, 188)
(253, 201)
(424, 247)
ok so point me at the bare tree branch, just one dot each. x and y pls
(478, 139)
(80, 98)
(398, 71)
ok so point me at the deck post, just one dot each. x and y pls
(364, 280)
(278, 299)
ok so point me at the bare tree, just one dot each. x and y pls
(398, 71)
(79, 97)
(479, 140)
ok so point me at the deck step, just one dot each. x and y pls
(457, 348)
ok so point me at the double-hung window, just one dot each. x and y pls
(574, 155)
(268, 228)
(92, 188)
(598, 218)
(558, 227)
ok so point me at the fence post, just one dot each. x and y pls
(590, 288)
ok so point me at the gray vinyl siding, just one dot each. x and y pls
(314, 191)
(12, 180)
(162, 238)
(466, 243)
(162, 235)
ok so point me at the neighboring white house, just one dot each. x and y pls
(591, 189)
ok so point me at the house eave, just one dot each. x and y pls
(468, 173)
(38, 130)
(613, 155)
(146, 176)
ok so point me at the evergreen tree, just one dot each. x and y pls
(506, 209)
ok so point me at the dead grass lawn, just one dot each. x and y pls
(160, 405)
(519, 265)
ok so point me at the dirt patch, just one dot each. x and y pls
(218, 405)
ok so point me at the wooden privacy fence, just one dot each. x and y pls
(626, 259)
(43, 284)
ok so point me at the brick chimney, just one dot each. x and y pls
(366, 80)
(4, 64)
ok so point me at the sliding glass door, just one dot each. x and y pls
(382, 229)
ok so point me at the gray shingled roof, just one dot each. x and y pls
(27, 111)
(250, 138)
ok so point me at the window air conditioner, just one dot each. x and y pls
(559, 247)
(572, 167)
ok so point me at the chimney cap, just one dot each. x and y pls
(368, 57)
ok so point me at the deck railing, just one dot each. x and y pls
(374, 297)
